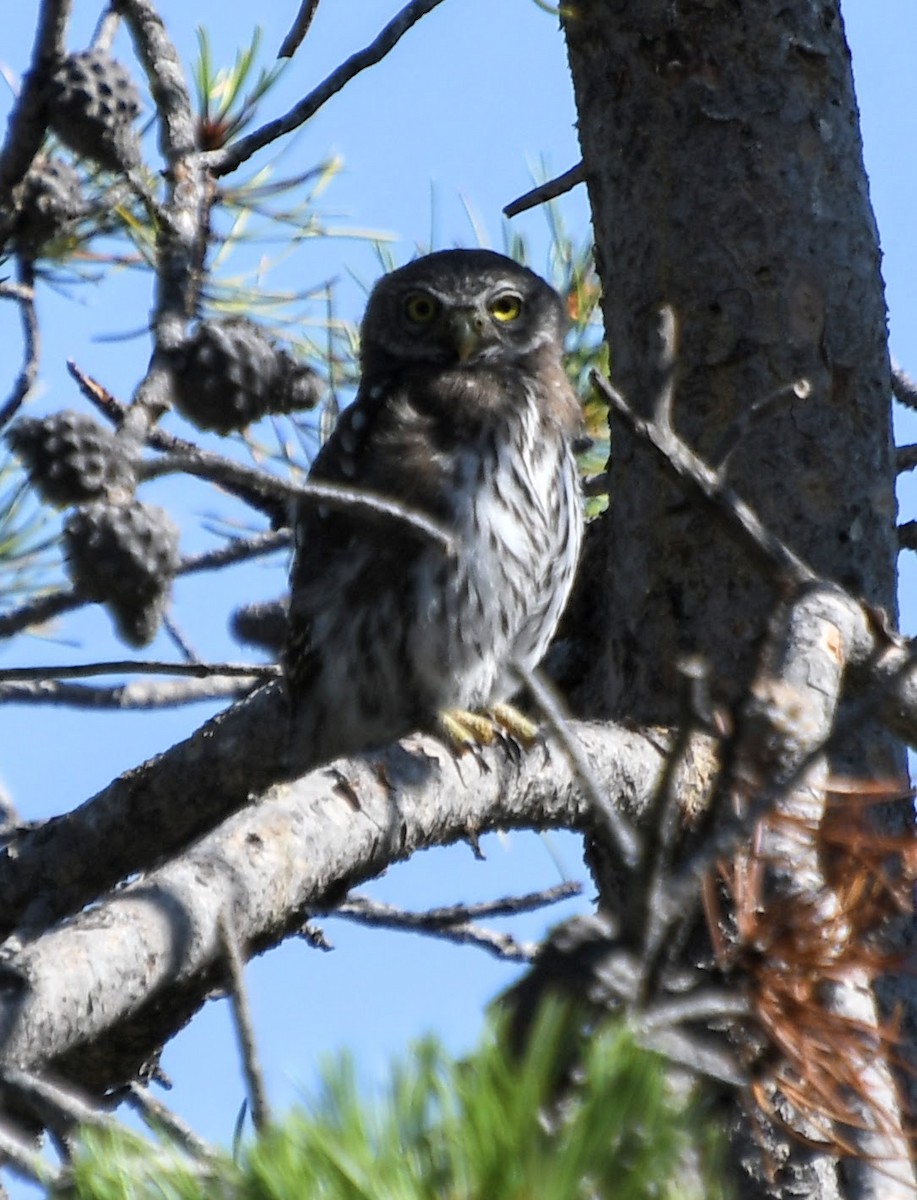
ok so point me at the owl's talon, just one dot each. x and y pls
(519, 727)
(464, 730)
(469, 731)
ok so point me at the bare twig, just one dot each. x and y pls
(455, 922)
(39, 610)
(159, 1116)
(259, 489)
(907, 536)
(800, 389)
(128, 666)
(26, 126)
(904, 389)
(365, 504)
(126, 696)
(105, 30)
(56, 1107)
(222, 162)
(650, 913)
(906, 458)
(181, 220)
(31, 340)
(547, 191)
(457, 914)
(236, 551)
(299, 29)
(666, 362)
(245, 1031)
(463, 933)
(624, 837)
(711, 490)
(178, 639)
(28, 1163)
(44, 608)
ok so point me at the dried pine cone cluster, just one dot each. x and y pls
(119, 551)
(92, 107)
(70, 458)
(124, 556)
(231, 374)
(51, 200)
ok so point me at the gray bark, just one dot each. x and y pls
(723, 159)
(725, 173)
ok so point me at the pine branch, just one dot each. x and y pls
(223, 162)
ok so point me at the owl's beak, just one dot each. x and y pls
(466, 328)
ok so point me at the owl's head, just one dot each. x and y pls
(460, 308)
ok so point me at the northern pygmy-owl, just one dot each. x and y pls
(465, 415)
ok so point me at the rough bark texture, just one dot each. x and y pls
(723, 159)
(96, 996)
(725, 173)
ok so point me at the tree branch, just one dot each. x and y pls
(222, 162)
(708, 487)
(98, 994)
(124, 697)
(31, 338)
(27, 125)
(54, 604)
(363, 911)
(299, 29)
(547, 191)
(130, 666)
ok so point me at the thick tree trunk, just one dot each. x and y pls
(724, 164)
(725, 173)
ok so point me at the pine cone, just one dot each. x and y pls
(70, 458)
(231, 374)
(124, 556)
(93, 103)
(51, 201)
(302, 387)
(263, 624)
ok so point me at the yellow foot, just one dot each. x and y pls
(465, 730)
(516, 724)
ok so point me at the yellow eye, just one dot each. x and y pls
(506, 307)
(421, 308)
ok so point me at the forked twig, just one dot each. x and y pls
(363, 911)
(711, 490)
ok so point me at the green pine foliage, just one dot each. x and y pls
(26, 540)
(484, 1128)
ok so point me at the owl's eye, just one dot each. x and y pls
(506, 307)
(420, 308)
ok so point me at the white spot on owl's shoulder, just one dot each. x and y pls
(348, 467)
(375, 392)
(348, 441)
(357, 418)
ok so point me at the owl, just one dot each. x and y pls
(465, 416)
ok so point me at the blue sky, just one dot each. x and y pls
(455, 121)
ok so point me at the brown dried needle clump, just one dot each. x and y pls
(812, 1063)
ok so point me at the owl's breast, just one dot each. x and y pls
(496, 603)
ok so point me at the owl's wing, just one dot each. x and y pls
(344, 558)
